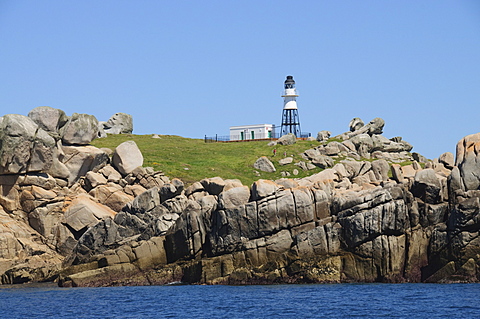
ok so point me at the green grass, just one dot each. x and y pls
(333, 139)
(192, 159)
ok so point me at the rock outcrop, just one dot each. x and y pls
(119, 123)
(25, 147)
(351, 222)
(54, 187)
(49, 119)
(323, 136)
(370, 213)
(80, 129)
(363, 141)
(466, 176)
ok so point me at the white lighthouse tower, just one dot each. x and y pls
(290, 119)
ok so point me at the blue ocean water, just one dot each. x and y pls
(275, 301)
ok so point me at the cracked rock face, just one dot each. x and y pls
(350, 222)
(80, 129)
(24, 146)
(119, 123)
(356, 220)
(468, 162)
(49, 118)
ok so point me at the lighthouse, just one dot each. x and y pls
(290, 119)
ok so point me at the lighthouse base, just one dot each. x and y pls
(290, 122)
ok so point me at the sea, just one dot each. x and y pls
(273, 301)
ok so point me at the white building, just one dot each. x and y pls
(252, 132)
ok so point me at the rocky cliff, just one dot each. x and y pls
(376, 212)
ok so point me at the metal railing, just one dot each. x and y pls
(238, 138)
(305, 134)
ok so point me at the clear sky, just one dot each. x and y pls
(195, 68)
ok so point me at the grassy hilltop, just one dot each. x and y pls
(192, 159)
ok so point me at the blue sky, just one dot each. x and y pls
(195, 68)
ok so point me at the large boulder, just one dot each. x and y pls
(264, 188)
(49, 119)
(426, 186)
(447, 159)
(323, 136)
(213, 185)
(356, 124)
(234, 197)
(83, 212)
(79, 160)
(363, 143)
(374, 127)
(24, 146)
(127, 157)
(287, 139)
(80, 129)
(334, 148)
(264, 164)
(381, 143)
(171, 190)
(380, 169)
(119, 123)
(468, 163)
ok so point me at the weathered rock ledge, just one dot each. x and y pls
(70, 212)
